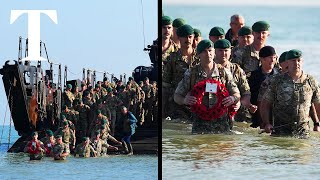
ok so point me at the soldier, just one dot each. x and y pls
(34, 148)
(176, 24)
(97, 122)
(68, 135)
(197, 38)
(249, 60)
(140, 110)
(177, 63)
(168, 46)
(245, 38)
(83, 122)
(128, 124)
(68, 97)
(222, 51)
(105, 136)
(236, 22)
(113, 102)
(70, 115)
(207, 69)
(77, 96)
(87, 98)
(60, 150)
(148, 102)
(99, 145)
(103, 108)
(84, 149)
(290, 96)
(216, 33)
(268, 58)
(135, 94)
(155, 103)
(49, 143)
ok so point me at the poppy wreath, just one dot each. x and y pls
(218, 109)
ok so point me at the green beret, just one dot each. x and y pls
(282, 57)
(105, 79)
(97, 132)
(58, 136)
(197, 33)
(102, 127)
(204, 44)
(260, 26)
(84, 139)
(99, 101)
(166, 20)
(178, 22)
(82, 85)
(64, 107)
(146, 78)
(130, 78)
(185, 31)
(267, 51)
(109, 89)
(34, 133)
(98, 111)
(69, 86)
(49, 132)
(65, 122)
(245, 30)
(140, 82)
(216, 31)
(222, 44)
(97, 85)
(293, 53)
(63, 116)
(103, 121)
(86, 93)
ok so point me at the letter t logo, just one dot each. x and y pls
(34, 30)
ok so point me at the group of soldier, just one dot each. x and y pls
(271, 92)
(93, 115)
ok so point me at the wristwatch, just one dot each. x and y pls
(316, 124)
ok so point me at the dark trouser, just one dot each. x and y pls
(127, 144)
(216, 126)
(300, 130)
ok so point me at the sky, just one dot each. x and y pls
(246, 2)
(96, 34)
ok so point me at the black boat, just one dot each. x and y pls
(34, 98)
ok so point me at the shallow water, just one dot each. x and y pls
(18, 166)
(247, 155)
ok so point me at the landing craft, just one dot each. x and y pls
(35, 98)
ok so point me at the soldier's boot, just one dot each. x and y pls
(125, 147)
(130, 149)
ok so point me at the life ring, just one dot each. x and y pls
(218, 109)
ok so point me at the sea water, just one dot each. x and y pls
(18, 165)
(247, 155)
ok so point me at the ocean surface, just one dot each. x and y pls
(248, 154)
(18, 165)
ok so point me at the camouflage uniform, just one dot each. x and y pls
(140, 110)
(155, 105)
(68, 98)
(172, 48)
(60, 149)
(172, 74)
(100, 146)
(147, 105)
(83, 121)
(112, 103)
(241, 81)
(236, 52)
(197, 74)
(77, 98)
(84, 151)
(249, 61)
(67, 135)
(71, 116)
(291, 103)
